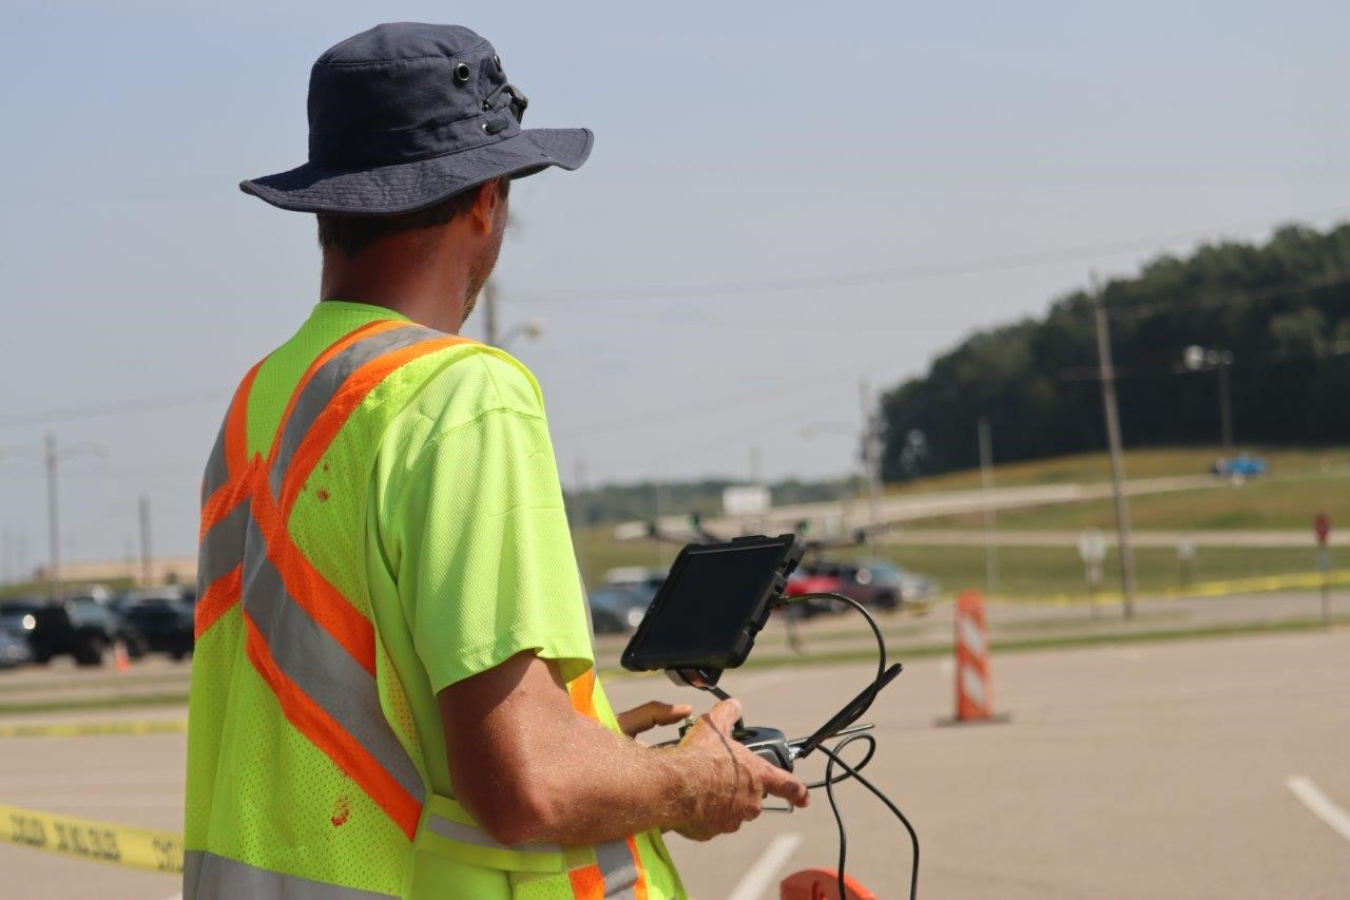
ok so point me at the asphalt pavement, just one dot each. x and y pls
(1139, 770)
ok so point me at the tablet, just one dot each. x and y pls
(715, 600)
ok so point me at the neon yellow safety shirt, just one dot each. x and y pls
(467, 561)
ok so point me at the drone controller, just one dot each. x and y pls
(705, 618)
(770, 744)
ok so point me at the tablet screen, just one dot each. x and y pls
(704, 608)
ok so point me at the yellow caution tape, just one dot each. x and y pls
(121, 845)
(95, 729)
(1257, 584)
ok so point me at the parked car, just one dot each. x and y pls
(875, 582)
(164, 623)
(16, 616)
(617, 609)
(14, 649)
(1239, 468)
(81, 627)
(646, 581)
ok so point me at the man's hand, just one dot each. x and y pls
(650, 714)
(736, 781)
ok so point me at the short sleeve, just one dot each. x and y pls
(483, 554)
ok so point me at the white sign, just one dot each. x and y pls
(749, 500)
(1092, 546)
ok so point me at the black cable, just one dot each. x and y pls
(876, 629)
(834, 807)
(854, 771)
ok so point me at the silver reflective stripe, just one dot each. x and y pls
(207, 876)
(471, 834)
(318, 392)
(319, 665)
(217, 472)
(618, 868)
(222, 547)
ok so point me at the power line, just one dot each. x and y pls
(114, 408)
(866, 278)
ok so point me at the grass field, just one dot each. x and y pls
(1090, 467)
(1301, 483)
(1024, 571)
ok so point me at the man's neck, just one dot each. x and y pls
(427, 287)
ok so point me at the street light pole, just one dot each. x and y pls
(1108, 379)
(147, 555)
(1196, 358)
(1226, 403)
(987, 485)
(870, 457)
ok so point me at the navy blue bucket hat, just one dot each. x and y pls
(405, 115)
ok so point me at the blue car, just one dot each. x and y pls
(1241, 466)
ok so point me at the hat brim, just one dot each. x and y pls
(407, 187)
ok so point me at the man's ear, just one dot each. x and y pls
(487, 205)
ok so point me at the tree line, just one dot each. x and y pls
(1278, 315)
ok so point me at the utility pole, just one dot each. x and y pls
(987, 483)
(53, 527)
(490, 313)
(869, 448)
(1108, 379)
(147, 574)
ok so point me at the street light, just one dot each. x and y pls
(868, 468)
(53, 458)
(1197, 358)
(530, 328)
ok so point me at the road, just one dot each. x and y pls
(893, 509)
(1156, 770)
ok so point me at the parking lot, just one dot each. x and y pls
(1149, 770)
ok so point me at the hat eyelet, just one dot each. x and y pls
(487, 106)
(462, 73)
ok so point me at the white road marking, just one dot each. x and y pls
(761, 875)
(1319, 804)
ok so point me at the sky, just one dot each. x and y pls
(784, 200)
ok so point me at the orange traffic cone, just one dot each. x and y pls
(121, 661)
(974, 690)
(821, 884)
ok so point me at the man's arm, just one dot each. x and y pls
(528, 767)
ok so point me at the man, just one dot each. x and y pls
(393, 689)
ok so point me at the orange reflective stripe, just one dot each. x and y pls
(236, 424)
(582, 693)
(588, 883)
(223, 502)
(347, 398)
(640, 888)
(319, 727)
(219, 597)
(332, 350)
(324, 603)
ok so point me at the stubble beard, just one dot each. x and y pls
(480, 270)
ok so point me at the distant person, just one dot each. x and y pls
(394, 692)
